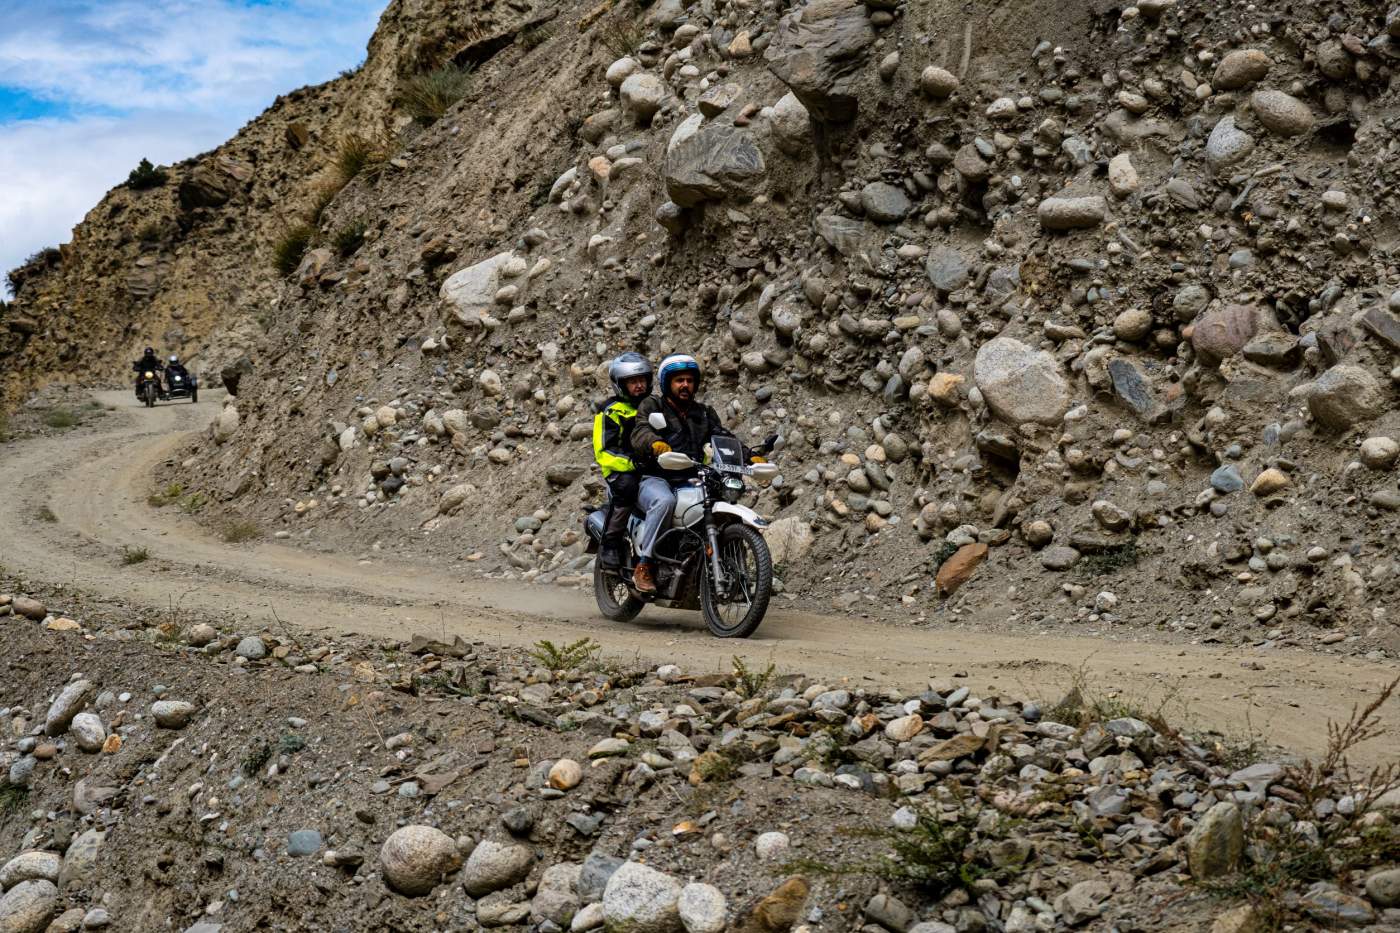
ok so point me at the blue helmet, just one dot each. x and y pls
(673, 366)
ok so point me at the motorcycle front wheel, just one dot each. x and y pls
(150, 399)
(614, 597)
(745, 557)
(194, 396)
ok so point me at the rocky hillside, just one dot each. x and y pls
(1086, 312)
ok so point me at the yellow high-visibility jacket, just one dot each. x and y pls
(612, 437)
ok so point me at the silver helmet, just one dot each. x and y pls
(627, 366)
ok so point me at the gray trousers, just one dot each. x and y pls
(657, 500)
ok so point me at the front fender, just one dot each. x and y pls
(742, 512)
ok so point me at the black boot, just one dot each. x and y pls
(611, 553)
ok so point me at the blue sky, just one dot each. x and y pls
(90, 87)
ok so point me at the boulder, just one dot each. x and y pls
(472, 291)
(959, 568)
(68, 704)
(1282, 114)
(205, 187)
(88, 732)
(1215, 845)
(1221, 332)
(947, 269)
(172, 714)
(496, 865)
(1344, 396)
(791, 125)
(80, 860)
(555, 899)
(30, 866)
(28, 608)
(639, 899)
(1020, 384)
(1227, 144)
(937, 83)
(789, 539)
(642, 95)
(1240, 68)
(703, 909)
(1071, 213)
(28, 907)
(819, 52)
(884, 202)
(712, 161)
(414, 859)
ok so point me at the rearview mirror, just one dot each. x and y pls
(657, 420)
(769, 443)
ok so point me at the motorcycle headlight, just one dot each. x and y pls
(150, 375)
(733, 489)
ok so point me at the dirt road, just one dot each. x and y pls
(97, 485)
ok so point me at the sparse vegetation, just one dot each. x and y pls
(237, 531)
(429, 95)
(153, 231)
(566, 657)
(946, 549)
(1109, 560)
(163, 497)
(135, 555)
(349, 238)
(621, 36)
(936, 854)
(748, 683)
(1283, 857)
(287, 253)
(352, 70)
(45, 514)
(60, 418)
(12, 798)
(1084, 704)
(193, 503)
(258, 756)
(290, 743)
(145, 175)
(533, 37)
(359, 155)
(323, 196)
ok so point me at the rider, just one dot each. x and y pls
(175, 369)
(689, 426)
(630, 375)
(149, 363)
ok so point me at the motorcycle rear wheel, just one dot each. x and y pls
(745, 556)
(614, 598)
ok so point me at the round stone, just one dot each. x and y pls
(703, 909)
(565, 774)
(1380, 453)
(1132, 325)
(414, 859)
(771, 846)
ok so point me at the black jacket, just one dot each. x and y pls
(687, 432)
(152, 363)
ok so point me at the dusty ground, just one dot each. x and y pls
(96, 482)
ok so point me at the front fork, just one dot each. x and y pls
(717, 574)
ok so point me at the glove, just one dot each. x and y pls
(757, 459)
(660, 447)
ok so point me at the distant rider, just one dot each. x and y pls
(174, 368)
(630, 375)
(689, 426)
(148, 363)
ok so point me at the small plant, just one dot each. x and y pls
(946, 549)
(1281, 858)
(153, 231)
(163, 497)
(429, 95)
(240, 530)
(349, 238)
(253, 762)
(1110, 559)
(565, 658)
(621, 36)
(358, 155)
(1083, 705)
(193, 503)
(290, 743)
(135, 555)
(287, 253)
(145, 175)
(324, 194)
(12, 798)
(352, 71)
(533, 37)
(60, 418)
(749, 684)
(936, 854)
(45, 514)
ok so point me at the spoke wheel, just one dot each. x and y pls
(736, 613)
(614, 597)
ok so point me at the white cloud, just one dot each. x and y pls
(133, 79)
(52, 172)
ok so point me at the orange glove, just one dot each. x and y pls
(660, 447)
(757, 459)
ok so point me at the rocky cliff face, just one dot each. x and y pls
(1111, 290)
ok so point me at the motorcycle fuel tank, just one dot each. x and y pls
(690, 506)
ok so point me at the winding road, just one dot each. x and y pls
(96, 482)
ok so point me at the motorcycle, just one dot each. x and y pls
(148, 388)
(182, 387)
(712, 557)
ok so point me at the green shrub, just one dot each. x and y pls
(145, 175)
(60, 418)
(564, 657)
(289, 250)
(324, 195)
(135, 555)
(358, 155)
(240, 530)
(349, 238)
(429, 95)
